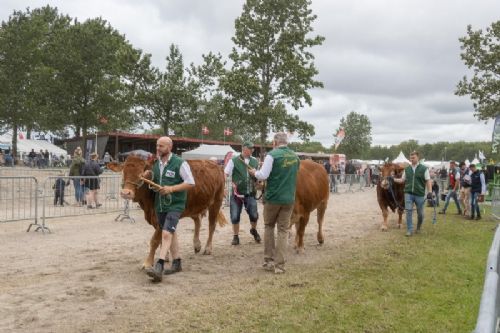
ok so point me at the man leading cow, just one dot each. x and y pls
(174, 176)
(243, 193)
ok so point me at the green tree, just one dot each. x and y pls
(358, 138)
(172, 95)
(25, 41)
(308, 147)
(96, 79)
(481, 52)
(272, 65)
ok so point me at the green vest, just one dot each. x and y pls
(415, 181)
(174, 202)
(282, 180)
(244, 183)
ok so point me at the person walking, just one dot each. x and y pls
(453, 188)
(243, 194)
(465, 184)
(174, 176)
(477, 191)
(280, 168)
(92, 170)
(416, 178)
(75, 170)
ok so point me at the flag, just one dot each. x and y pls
(228, 131)
(339, 137)
(103, 120)
(481, 156)
(495, 141)
(21, 136)
(204, 130)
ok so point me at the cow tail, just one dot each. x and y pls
(221, 219)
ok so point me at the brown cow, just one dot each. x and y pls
(207, 194)
(390, 194)
(312, 193)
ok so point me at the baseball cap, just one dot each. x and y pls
(248, 144)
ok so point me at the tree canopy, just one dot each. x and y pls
(481, 52)
(358, 138)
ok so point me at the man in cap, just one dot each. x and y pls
(477, 191)
(243, 191)
(453, 188)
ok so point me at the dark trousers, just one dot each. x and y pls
(59, 196)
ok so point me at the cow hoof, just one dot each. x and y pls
(399, 226)
(207, 252)
(300, 250)
(383, 229)
(197, 249)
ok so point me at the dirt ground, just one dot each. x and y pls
(87, 271)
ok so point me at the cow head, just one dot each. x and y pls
(132, 170)
(389, 171)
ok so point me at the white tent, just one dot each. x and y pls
(205, 152)
(401, 159)
(475, 161)
(24, 146)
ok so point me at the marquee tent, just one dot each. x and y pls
(401, 159)
(24, 146)
(205, 152)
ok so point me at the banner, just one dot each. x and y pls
(228, 131)
(339, 137)
(495, 141)
(204, 130)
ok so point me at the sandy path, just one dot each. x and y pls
(87, 270)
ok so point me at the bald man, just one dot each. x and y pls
(174, 175)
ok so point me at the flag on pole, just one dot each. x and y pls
(339, 137)
(103, 120)
(204, 130)
(21, 136)
(481, 156)
(228, 131)
(495, 141)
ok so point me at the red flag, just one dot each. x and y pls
(204, 130)
(21, 136)
(227, 131)
(103, 120)
(339, 137)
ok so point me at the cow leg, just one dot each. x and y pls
(400, 218)
(300, 233)
(385, 214)
(321, 214)
(196, 236)
(153, 245)
(212, 221)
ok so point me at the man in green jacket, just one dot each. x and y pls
(174, 176)
(280, 168)
(243, 191)
(416, 178)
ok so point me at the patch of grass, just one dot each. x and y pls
(386, 282)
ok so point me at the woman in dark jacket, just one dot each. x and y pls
(92, 168)
(74, 171)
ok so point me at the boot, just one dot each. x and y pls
(478, 216)
(155, 272)
(236, 240)
(176, 267)
(255, 235)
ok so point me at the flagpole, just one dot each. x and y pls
(96, 141)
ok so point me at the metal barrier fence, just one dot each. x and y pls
(18, 198)
(489, 310)
(25, 198)
(348, 183)
(495, 202)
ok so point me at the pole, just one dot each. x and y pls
(96, 142)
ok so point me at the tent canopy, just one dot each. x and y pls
(401, 159)
(205, 152)
(24, 146)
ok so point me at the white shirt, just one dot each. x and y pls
(266, 168)
(184, 171)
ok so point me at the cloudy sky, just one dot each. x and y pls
(397, 62)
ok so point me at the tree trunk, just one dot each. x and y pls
(14, 143)
(263, 137)
(28, 133)
(84, 141)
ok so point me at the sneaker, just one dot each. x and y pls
(98, 205)
(408, 233)
(441, 212)
(268, 266)
(255, 235)
(90, 207)
(478, 217)
(469, 218)
(236, 240)
(459, 213)
(155, 272)
(176, 267)
(279, 270)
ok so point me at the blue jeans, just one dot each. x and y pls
(452, 194)
(236, 205)
(419, 202)
(78, 190)
(474, 205)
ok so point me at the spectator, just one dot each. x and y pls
(92, 170)
(477, 192)
(59, 187)
(75, 171)
(453, 188)
(465, 184)
(32, 158)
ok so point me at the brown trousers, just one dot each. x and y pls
(276, 215)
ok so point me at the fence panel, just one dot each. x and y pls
(495, 202)
(18, 199)
(489, 310)
(347, 183)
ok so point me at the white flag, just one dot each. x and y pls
(481, 155)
